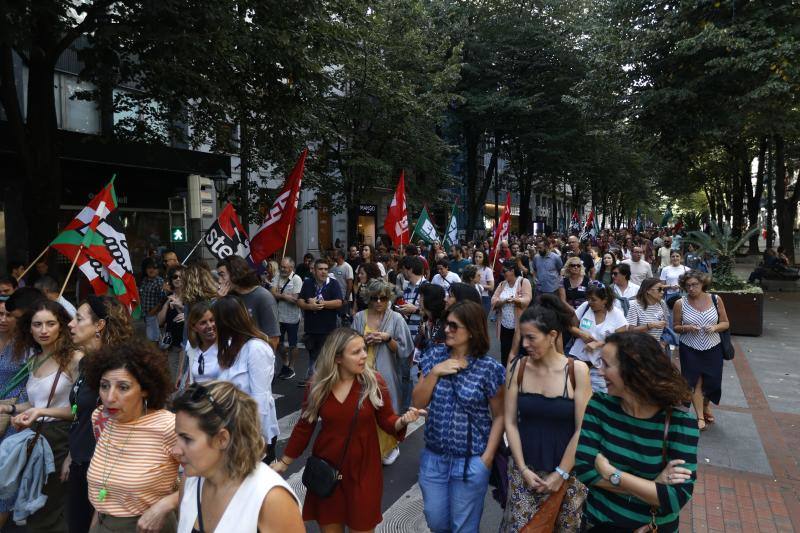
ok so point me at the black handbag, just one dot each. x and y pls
(320, 476)
(728, 351)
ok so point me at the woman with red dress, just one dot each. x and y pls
(343, 385)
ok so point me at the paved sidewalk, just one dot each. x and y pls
(749, 461)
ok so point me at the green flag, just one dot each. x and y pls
(424, 228)
(451, 233)
(667, 216)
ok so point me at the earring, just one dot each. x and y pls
(145, 407)
(96, 334)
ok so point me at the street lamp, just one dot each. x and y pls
(220, 181)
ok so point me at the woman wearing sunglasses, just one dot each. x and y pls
(573, 290)
(220, 446)
(597, 319)
(202, 352)
(388, 341)
(462, 388)
(171, 317)
(648, 313)
(132, 474)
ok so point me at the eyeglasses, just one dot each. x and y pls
(575, 265)
(453, 326)
(659, 289)
(379, 299)
(199, 393)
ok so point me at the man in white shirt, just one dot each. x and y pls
(445, 278)
(624, 290)
(664, 253)
(286, 289)
(640, 269)
(343, 273)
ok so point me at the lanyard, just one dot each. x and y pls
(320, 289)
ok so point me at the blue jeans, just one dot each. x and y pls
(152, 330)
(452, 504)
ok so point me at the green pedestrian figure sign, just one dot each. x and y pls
(178, 234)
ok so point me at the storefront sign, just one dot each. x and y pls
(367, 209)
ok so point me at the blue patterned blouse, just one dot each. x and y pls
(459, 399)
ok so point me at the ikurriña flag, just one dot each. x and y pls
(274, 232)
(227, 236)
(396, 223)
(94, 239)
(503, 228)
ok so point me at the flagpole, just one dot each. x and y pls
(74, 262)
(202, 238)
(286, 240)
(34, 262)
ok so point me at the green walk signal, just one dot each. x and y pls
(178, 234)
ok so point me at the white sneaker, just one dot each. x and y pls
(392, 457)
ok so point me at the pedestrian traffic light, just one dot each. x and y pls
(177, 234)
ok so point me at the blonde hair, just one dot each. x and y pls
(198, 284)
(230, 409)
(565, 269)
(326, 375)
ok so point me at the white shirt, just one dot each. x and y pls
(671, 274)
(252, 373)
(445, 283)
(486, 276)
(663, 255)
(241, 514)
(640, 270)
(613, 321)
(629, 293)
(288, 312)
(210, 364)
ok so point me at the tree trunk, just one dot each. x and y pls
(476, 188)
(553, 200)
(525, 186)
(754, 196)
(786, 207)
(43, 188)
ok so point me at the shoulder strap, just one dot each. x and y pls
(571, 371)
(349, 434)
(199, 508)
(38, 432)
(716, 307)
(667, 420)
(521, 371)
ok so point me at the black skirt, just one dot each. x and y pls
(706, 364)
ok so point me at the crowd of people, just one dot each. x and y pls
(583, 416)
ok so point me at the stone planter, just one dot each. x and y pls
(745, 312)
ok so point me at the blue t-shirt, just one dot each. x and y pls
(320, 322)
(548, 272)
(459, 398)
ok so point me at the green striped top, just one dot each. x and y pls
(634, 446)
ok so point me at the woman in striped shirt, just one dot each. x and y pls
(132, 476)
(648, 313)
(699, 317)
(637, 451)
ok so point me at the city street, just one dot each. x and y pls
(748, 461)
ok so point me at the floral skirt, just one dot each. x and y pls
(523, 502)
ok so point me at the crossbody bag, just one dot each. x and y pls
(320, 476)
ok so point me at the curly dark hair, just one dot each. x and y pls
(647, 372)
(118, 326)
(141, 359)
(24, 342)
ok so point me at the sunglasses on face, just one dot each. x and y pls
(452, 326)
(379, 299)
(174, 277)
(575, 265)
(201, 393)
(659, 289)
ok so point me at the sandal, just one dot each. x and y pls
(704, 426)
(709, 418)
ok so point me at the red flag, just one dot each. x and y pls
(502, 229)
(396, 223)
(272, 235)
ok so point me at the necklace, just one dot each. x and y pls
(103, 492)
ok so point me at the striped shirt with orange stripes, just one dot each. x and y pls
(140, 471)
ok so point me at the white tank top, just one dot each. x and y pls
(39, 391)
(241, 515)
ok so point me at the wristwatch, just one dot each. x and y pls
(564, 474)
(615, 478)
